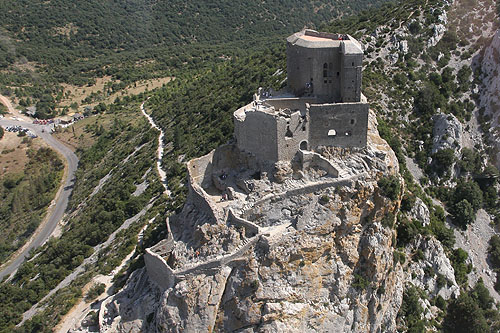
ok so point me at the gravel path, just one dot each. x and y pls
(161, 146)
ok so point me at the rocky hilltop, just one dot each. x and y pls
(305, 246)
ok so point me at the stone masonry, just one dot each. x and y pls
(322, 105)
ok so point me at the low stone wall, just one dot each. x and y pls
(312, 159)
(309, 189)
(238, 221)
(292, 103)
(219, 262)
(158, 269)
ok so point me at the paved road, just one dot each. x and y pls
(57, 212)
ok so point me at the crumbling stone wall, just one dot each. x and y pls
(257, 134)
(158, 269)
(339, 125)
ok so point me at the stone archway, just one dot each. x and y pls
(303, 145)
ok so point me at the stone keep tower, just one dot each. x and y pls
(325, 65)
(322, 106)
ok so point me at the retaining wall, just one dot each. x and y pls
(311, 159)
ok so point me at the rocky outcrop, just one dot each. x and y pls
(420, 212)
(447, 133)
(490, 100)
(432, 271)
(318, 255)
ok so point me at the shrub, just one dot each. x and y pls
(411, 310)
(463, 213)
(443, 160)
(360, 282)
(464, 315)
(389, 186)
(408, 202)
(95, 291)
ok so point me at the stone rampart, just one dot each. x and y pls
(338, 125)
(292, 103)
(238, 221)
(218, 262)
(256, 133)
(199, 175)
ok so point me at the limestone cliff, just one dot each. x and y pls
(319, 256)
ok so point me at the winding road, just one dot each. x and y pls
(55, 211)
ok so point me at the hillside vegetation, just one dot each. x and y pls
(105, 196)
(25, 196)
(45, 43)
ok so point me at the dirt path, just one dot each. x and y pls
(161, 146)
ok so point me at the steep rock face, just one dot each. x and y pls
(304, 250)
(490, 101)
(336, 275)
(433, 272)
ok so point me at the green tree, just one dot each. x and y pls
(463, 213)
(470, 191)
(443, 159)
(464, 316)
(1, 132)
(390, 186)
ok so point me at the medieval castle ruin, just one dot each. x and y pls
(248, 190)
(322, 107)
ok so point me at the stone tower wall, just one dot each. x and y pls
(322, 65)
(349, 121)
(290, 133)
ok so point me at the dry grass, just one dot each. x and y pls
(78, 134)
(78, 94)
(13, 155)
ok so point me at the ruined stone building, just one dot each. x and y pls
(322, 106)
